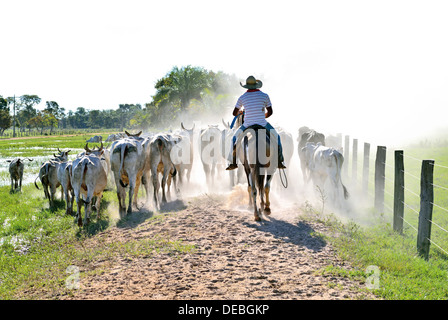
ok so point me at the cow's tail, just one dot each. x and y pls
(123, 153)
(36, 183)
(339, 163)
(161, 145)
(44, 175)
(83, 174)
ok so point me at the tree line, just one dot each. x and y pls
(185, 92)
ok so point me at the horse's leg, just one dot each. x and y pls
(260, 182)
(267, 188)
(254, 195)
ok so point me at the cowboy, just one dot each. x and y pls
(255, 102)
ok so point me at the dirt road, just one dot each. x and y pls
(234, 258)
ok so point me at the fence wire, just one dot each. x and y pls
(408, 206)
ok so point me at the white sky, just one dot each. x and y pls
(364, 68)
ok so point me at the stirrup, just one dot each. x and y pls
(232, 166)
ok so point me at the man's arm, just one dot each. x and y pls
(236, 112)
(268, 113)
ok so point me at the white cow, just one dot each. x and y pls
(48, 175)
(63, 174)
(88, 178)
(210, 148)
(95, 139)
(16, 173)
(129, 163)
(160, 161)
(324, 162)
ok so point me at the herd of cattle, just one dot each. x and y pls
(132, 160)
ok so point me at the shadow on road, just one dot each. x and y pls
(300, 233)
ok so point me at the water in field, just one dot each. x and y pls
(31, 168)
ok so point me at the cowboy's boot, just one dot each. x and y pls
(233, 164)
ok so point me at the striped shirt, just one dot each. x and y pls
(254, 102)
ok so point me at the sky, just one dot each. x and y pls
(377, 70)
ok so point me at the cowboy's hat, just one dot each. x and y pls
(252, 83)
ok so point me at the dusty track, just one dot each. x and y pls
(234, 258)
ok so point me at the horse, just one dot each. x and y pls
(260, 163)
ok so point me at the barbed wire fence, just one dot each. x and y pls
(404, 202)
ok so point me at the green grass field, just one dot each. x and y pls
(38, 244)
(404, 275)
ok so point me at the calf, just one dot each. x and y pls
(16, 172)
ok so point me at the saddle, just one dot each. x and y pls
(255, 128)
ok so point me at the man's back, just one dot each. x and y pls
(254, 102)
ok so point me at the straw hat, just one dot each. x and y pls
(252, 83)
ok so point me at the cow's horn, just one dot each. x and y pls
(226, 125)
(101, 146)
(87, 148)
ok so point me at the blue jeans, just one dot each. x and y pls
(268, 128)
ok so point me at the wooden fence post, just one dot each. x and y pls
(399, 192)
(365, 170)
(425, 215)
(346, 155)
(380, 170)
(355, 161)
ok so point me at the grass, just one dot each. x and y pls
(371, 241)
(38, 244)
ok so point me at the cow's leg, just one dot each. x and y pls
(155, 184)
(88, 205)
(137, 187)
(12, 185)
(232, 178)
(131, 192)
(72, 199)
(168, 185)
(165, 173)
(97, 205)
(52, 195)
(20, 183)
(121, 195)
(78, 210)
(146, 183)
(66, 197)
(207, 173)
(188, 174)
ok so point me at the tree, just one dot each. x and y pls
(182, 85)
(53, 108)
(5, 117)
(26, 110)
(126, 112)
(81, 117)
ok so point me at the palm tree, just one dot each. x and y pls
(182, 85)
